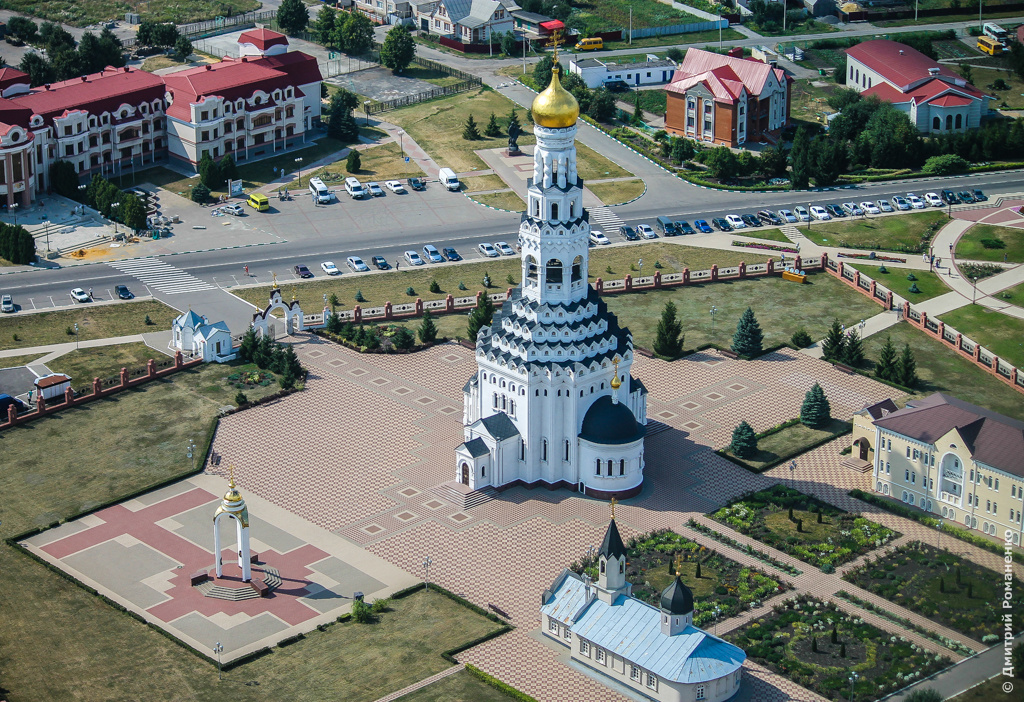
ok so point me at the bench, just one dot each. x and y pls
(844, 368)
(254, 558)
(200, 576)
(498, 610)
(260, 587)
(729, 354)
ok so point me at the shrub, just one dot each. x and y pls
(911, 276)
(434, 287)
(362, 612)
(148, 322)
(359, 296)
(993, 243)
(801, 339)
(913, 288)
(924, 696)
(200, 193)
(353, 163)
(945, 164)
(241, 399)
(410, 291)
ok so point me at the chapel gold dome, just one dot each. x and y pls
(555, 107)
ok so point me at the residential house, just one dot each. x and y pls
(596, 73)
(472, 21)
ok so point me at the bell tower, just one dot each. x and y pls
(611, 574)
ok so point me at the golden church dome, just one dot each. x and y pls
(232, 495)
(555, 107)
(616, 383)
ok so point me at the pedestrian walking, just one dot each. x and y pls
(247, 271)
(950, 249)
(90, 292)
(398, 263)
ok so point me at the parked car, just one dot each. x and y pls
(769, 217)
(787, 216)
(916, 202)
(432, 254)
(416, 183)
(949, 197)
(801, 213)
(616, 86)
(835, 210)
(628, 233)
(884, 205)
(852, 208)
(979, 196)
(598, 238)
(750, 220)
(395, 186)
(451, 254)
(504, 249)
(374, 188)
(645, 231)
(735, 221)
(414, 259)
(488, 250)
(79, 295)
(900, 203)
(381, 263)
(123, 293)
(233, 209)
(303, 272)
(869, 207)
(6, 304)
(702, 226)
(966, 196)
(721, 224)
(820, 213)
(356, 264)
(684, 227)
(933, 199)
(329, 268)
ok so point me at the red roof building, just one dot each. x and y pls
(262, 42)
(727, 100)
(934, 97)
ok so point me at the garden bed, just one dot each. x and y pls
(837, 538)
(942, 586)
(790, 439)
(797, 642)
(717, 582)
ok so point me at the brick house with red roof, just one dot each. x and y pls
(727, 100)
(936, 99)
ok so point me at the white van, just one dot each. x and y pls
(319, 191)
(354, 188)
(449, 179)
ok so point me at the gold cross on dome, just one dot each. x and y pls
(231, 474)
(555, 41)
(275, 280)
(614, 502)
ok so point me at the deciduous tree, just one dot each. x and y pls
(398, 49)
(292, 16)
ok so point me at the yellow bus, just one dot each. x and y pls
(990, 46)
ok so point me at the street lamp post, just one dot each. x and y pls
(792, 470)
(426, 567)
(112, 206)
(640, 264)
(717, 612)
(46, 223)
(714, 311)
(14, 211)
(939, 527)
(974, 291)
(861, 326)
(218, 648)
(853, 679)
(191, 452)
(299, 162)
(401, 142)
(76, 336)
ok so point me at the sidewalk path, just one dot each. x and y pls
(963, 676)
(422, 683)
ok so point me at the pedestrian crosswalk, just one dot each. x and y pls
(605, 218)
(161, 276)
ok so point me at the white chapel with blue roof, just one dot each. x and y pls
(654, 651)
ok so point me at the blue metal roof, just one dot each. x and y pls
(632, 629)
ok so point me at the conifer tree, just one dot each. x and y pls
(513, 118)
(853, 350)
(815, 411)
(834, 345)
(492, 129)
(427, 330)
(470, 132)
(668, 340)
(697, 574)
(480, 317)
(748, 339)
(906, 368)
(885, 368)
(744, 440)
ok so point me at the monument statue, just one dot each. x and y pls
(514, 130)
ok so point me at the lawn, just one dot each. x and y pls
(1002, 241)
(16, 361)
(591, 165)
(940, 585)
(809, 102)
(430, 75)
(103, 361)
(474, 184)
(895, 279)
(1012, 98)
(985, 692)
(94, 322)
(155, 63)
(379, 163)
(908, 233)
(716, 581)
(653, 101)
(796, 641)
(709, 36)
(84, 14)
(769, 235)
(791, 441)
(460, 687)
(999, 333)
(1014, 295)
(615, 192)
(942, 369)
(803, 526)
(610, 15)
(505, 200)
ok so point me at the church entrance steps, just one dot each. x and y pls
(235, 590)
(462, 496)
(792, 233)
(855, 463)
(655, 427)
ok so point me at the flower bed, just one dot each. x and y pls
(748, 549)
(723, 583)
(796, 640)
(871, 257)
(804, 526)
(249, 379)
(766, 247)
(940, 585)
(951, 644)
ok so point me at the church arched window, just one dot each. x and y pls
(936, 123)
(577, 269)
(567, 449)
(949, 122)
(959, 121)
(512, 407)
(553, 275)
(554, 211)
(598, 468)
(602, 566)
(622, 466)
(495, 400)
(544, 449)
(609, 467)
(531, 268)
(504, 402)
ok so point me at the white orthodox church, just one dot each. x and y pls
(552, 402)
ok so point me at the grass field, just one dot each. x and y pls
(809, 102)
(591, 165)
(460, 687)
(617, 191)
(895, 279)
(83, 14)
(890, 233)
(610, 15)
(103, 361)
(155, 63)
(706, 37)
(16, 361)
(1012, 98)
(506, 200)
(379, 163)
(999, 333)
(970, 247)
(429, 75)
(94, 322)
(774, 234)
(1014, 295)
(790, 442)
(985, 692)
(941, 369)
(475, 184)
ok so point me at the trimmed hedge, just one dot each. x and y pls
(499, 685)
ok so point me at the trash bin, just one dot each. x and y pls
(821, 71)
(156, 234)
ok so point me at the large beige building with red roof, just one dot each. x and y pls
(111, 122)
(727, 100)
(935, 98)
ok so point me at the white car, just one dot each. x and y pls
(787, 216)
(7, 304)
(374, 189)
(329, 268)
(821, 213)
(852, 208)
(802, 214)
(900, 203)
(735, 221)
(414, 259)
(884, 206)
(488, 250)
(645, 231)
(504, 249)
(233, 209)
(79, 295)
(598, 238)
(916, 202)
(395, 186)
(432, 254)
(934, 200)
(357, 264)
(869, 207)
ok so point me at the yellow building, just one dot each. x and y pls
(948, 457)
